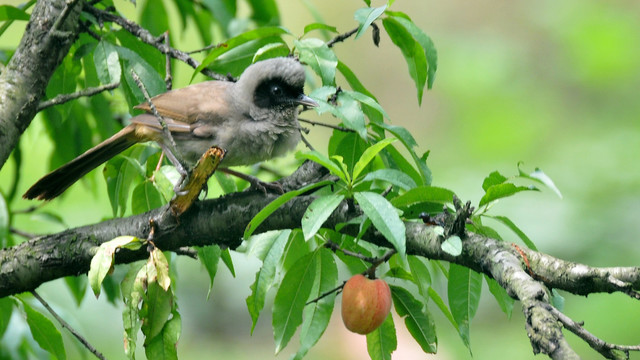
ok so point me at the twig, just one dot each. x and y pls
(341, 37)
(208, 47)
(307, 143)
(168, 79)
(63, 16)
(24, 234)
(165, 129)
(63, 98)
(336, 127)
(68, 327)
(187, 251)
(326, 293)
(601, 346)
(145, 36)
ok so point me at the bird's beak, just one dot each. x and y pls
(306, 101)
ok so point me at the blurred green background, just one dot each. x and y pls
(553, 84)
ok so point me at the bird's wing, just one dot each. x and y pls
(206, 100)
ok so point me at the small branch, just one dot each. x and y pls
(187, 251)
(335, 247)
(607, 350)
(326, 293)
(63, 16)
(341, 37)
(336, 127)
(145, 36)
(63, 98)
(168, 79)
(68, 327)
(24, 234)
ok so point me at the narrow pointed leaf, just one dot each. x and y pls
(382, 341)
(44, 332)
(366, 16)
(291, 298)
(266, 274)
(384, 217)
(464, 290)
(318, 212)
(318, 314)
(419, 321)
(369, 154)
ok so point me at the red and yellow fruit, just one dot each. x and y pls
(365, 304)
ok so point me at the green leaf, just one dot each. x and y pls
(349, 145)
(264, 12)
(236, 60)
(392, 176)
(499, 191)
(153, 17)
(423, 194)
(132, 288)
(318, 212)
(442, 306)
(367, 100)
(149, 76)
(419, 322)
(504, 300)
(102, 261)
(318, 314)
(228, 262)
(107, 62)
(540, 177)
(275, 204)
(44, 332)
(77, 286)
(8, 12)
(158, 262)
(511, 225)
(165, 345)
(209, 256)
(349, 111)
(495, 178)
(315, 53)
(291, 298)
(119, 174)
(452, 245)
(324, 161)
(155, 310)
(319, 26)
(382, 341)
(273, 247)
(557, 300)
(369, 154)
(410, 143)
(425, 42)
(145, 197)
(263, 32)
(411, 50)
(384, 217)
(374, 115)
(366, 16)
(6, 309)
(464, 290)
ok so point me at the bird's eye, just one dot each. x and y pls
(276, 90)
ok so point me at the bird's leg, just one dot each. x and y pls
(255, 182)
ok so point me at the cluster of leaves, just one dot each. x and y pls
(388, 187)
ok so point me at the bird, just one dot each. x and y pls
(253, 119)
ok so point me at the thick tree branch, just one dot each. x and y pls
(222, 221)
(50, 32)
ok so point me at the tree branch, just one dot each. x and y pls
(50, 32)
(145, 36)
(63, 98)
